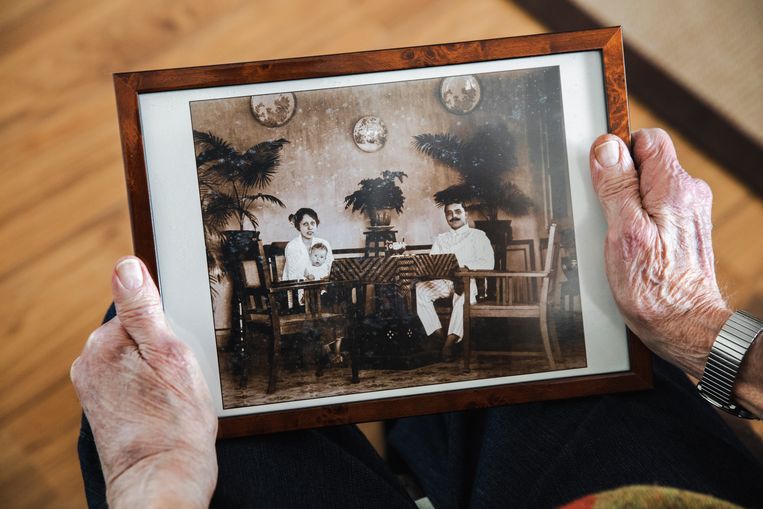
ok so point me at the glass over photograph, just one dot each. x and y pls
(389, 235)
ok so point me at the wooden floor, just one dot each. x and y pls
(63, 214)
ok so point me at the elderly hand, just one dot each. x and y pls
(148, 405)
(659, 255)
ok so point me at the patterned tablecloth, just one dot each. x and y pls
(402, 271)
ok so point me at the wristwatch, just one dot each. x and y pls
(735, 339)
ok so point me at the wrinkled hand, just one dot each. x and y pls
(659, 255)
(148, 405)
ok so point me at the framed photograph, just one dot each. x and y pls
(363, 236)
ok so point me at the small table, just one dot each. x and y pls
(402, 271)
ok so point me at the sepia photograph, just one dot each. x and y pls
(389, 235)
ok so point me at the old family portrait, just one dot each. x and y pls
(388, 235)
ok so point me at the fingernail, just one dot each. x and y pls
(130, 274)
(608, 153)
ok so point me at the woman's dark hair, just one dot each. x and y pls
(297, 217)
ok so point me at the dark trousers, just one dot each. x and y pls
(531, 455)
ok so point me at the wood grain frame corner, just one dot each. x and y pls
(608, 41)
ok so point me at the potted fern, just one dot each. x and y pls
(378, 197)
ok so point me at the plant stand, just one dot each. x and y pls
(238, 245)
(376, 241)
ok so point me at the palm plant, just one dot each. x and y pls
(229, 180)
(483, 163)
(228, 184)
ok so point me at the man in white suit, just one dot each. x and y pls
(473, 251)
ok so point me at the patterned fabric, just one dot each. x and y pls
(398, 270)
(437, 265)
(649, 497)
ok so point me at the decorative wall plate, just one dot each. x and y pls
(369, 134)
(460, 94)
(273, 110)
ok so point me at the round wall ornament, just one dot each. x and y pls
(369, 134)
(273, 110)
(460, 94)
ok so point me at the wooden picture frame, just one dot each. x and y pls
(142, 98)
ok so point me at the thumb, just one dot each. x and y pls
(137, 300)
(615, 180)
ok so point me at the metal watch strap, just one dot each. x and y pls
(723, 363)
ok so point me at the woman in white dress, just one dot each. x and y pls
(298, 264)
